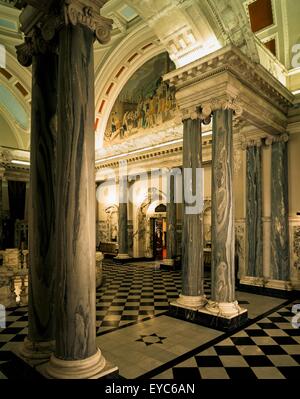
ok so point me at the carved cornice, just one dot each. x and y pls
(227, 79)
(281, 138)
(231, 59)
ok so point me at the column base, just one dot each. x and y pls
(36, 350)
(268, 287)
(122, 258)
(222, 316)
(191, 302)
(94, 367)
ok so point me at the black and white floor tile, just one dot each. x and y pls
(131, 306)
(267, 349)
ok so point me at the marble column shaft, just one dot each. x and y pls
(171, 222)
(122, 217)
(222, 237)
(254, 210)
(41, 209)
(76, 244)
(1, 214)
(280, 267)
(192, 232)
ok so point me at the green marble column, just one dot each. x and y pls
(41, 206)
(1, 210)
(254, 233)
(171, 224)
(223, 300)
(280, 267)
(192, 232)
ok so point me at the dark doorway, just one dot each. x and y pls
(159, 238)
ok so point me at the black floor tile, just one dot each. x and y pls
(272, 350)
(186, 373)
(208, 361)
(242, 341)
(226, 350)
(290, 372)
(237, 373)
(285, 341)
(258, 361)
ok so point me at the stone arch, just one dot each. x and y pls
(133, 52)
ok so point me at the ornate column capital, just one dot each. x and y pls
(227, 102)
(189, 113)
(41, 20)
(251, 142)
(87, 12)
(34, 44)
(277, 139)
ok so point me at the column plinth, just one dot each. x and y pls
(92, 367)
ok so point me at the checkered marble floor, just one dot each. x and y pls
(135, 292)
(267, 349)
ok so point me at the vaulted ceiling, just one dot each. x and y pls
(266, 30)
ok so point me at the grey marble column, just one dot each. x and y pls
(254, 235)
(122, 220)
(171, 225)
(192, 234)
(222, 237)
(41, 207)
(1, 210)
(280, 268)
(76, 355)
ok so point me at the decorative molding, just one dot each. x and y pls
(227, 79)
(277, 139)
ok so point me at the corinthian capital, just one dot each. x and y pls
(222, 103)
(87, 12)
(280, 138)
(190, 113)
(251, 142)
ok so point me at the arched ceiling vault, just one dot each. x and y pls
(186, 29)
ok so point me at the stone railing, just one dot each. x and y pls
(14, 277)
